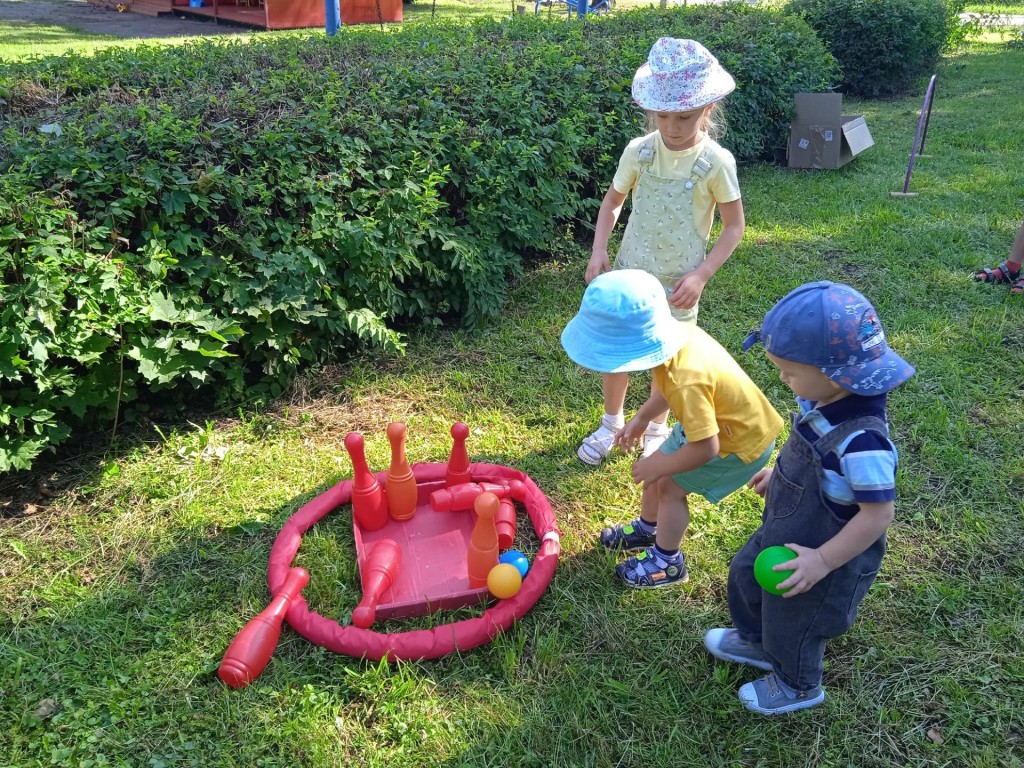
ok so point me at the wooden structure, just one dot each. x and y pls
(272, 14)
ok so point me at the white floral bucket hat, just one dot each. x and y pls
(680, 75)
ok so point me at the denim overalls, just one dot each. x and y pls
(793, 630)
(661, 236)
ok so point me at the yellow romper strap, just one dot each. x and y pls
(645, 157)
(701, 166)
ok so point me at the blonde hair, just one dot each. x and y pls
(713, 123)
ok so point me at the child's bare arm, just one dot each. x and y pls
(633, 431)
(607, 217)
(812, 565)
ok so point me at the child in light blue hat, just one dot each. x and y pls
(829, 497)
(726, 430)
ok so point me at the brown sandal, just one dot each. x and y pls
(1000, 274)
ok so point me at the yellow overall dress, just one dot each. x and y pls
(661, 236)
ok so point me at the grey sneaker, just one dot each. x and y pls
(770, 696)
(727, 645)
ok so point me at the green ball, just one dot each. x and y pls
(768, 559)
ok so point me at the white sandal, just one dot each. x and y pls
(598, 445)
(653, 438)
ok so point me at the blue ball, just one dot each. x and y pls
(516, 558)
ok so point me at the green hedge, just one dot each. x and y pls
(883, 46)
(218, 215)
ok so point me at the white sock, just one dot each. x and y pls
(615, 420)
(657, 425)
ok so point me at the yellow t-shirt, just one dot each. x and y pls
(719, 185)
(710, 394)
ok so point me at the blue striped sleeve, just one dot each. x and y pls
(868, 463)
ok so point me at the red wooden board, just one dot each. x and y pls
(434, 573)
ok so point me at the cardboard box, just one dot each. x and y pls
(822, 136)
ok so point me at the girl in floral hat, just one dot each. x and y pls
(677, 175)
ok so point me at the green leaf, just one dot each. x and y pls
(162, 308)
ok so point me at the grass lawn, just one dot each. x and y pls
(125, 578)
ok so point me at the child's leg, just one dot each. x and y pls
(673, 513)
(744, 593)
(599, 443)
(794, 644)
(780, 636)
(741, 644)
(662, 564)
(614, 386)
(640, 533)
(1017, 249)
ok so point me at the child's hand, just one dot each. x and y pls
(687, 292)
(645, 470)
(759, 482)
(630, 435)
(599, 262)
(808, 569)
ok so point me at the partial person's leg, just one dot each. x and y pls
(1014, 262)
(1009, 271)
(1017, 249)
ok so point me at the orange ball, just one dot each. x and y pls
(504, 580)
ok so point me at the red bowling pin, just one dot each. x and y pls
(463, 496)
(482, 554)
(505, 523)
(379, 573)
(458, 462)
(369, 506)
(254, 644)
(400, 488)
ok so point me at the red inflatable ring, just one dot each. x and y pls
(421, 643)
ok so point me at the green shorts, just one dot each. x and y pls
(720, 476)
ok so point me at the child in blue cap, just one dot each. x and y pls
(829, 497)
(726, 430)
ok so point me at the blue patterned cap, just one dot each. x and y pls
(834, 328)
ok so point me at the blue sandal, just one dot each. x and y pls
(626, 537)
(649, 570)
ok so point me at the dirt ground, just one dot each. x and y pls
(108, 21)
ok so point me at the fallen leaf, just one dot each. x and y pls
(935, 734)
(47, 708)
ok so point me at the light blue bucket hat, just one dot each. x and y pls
(624, 324)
